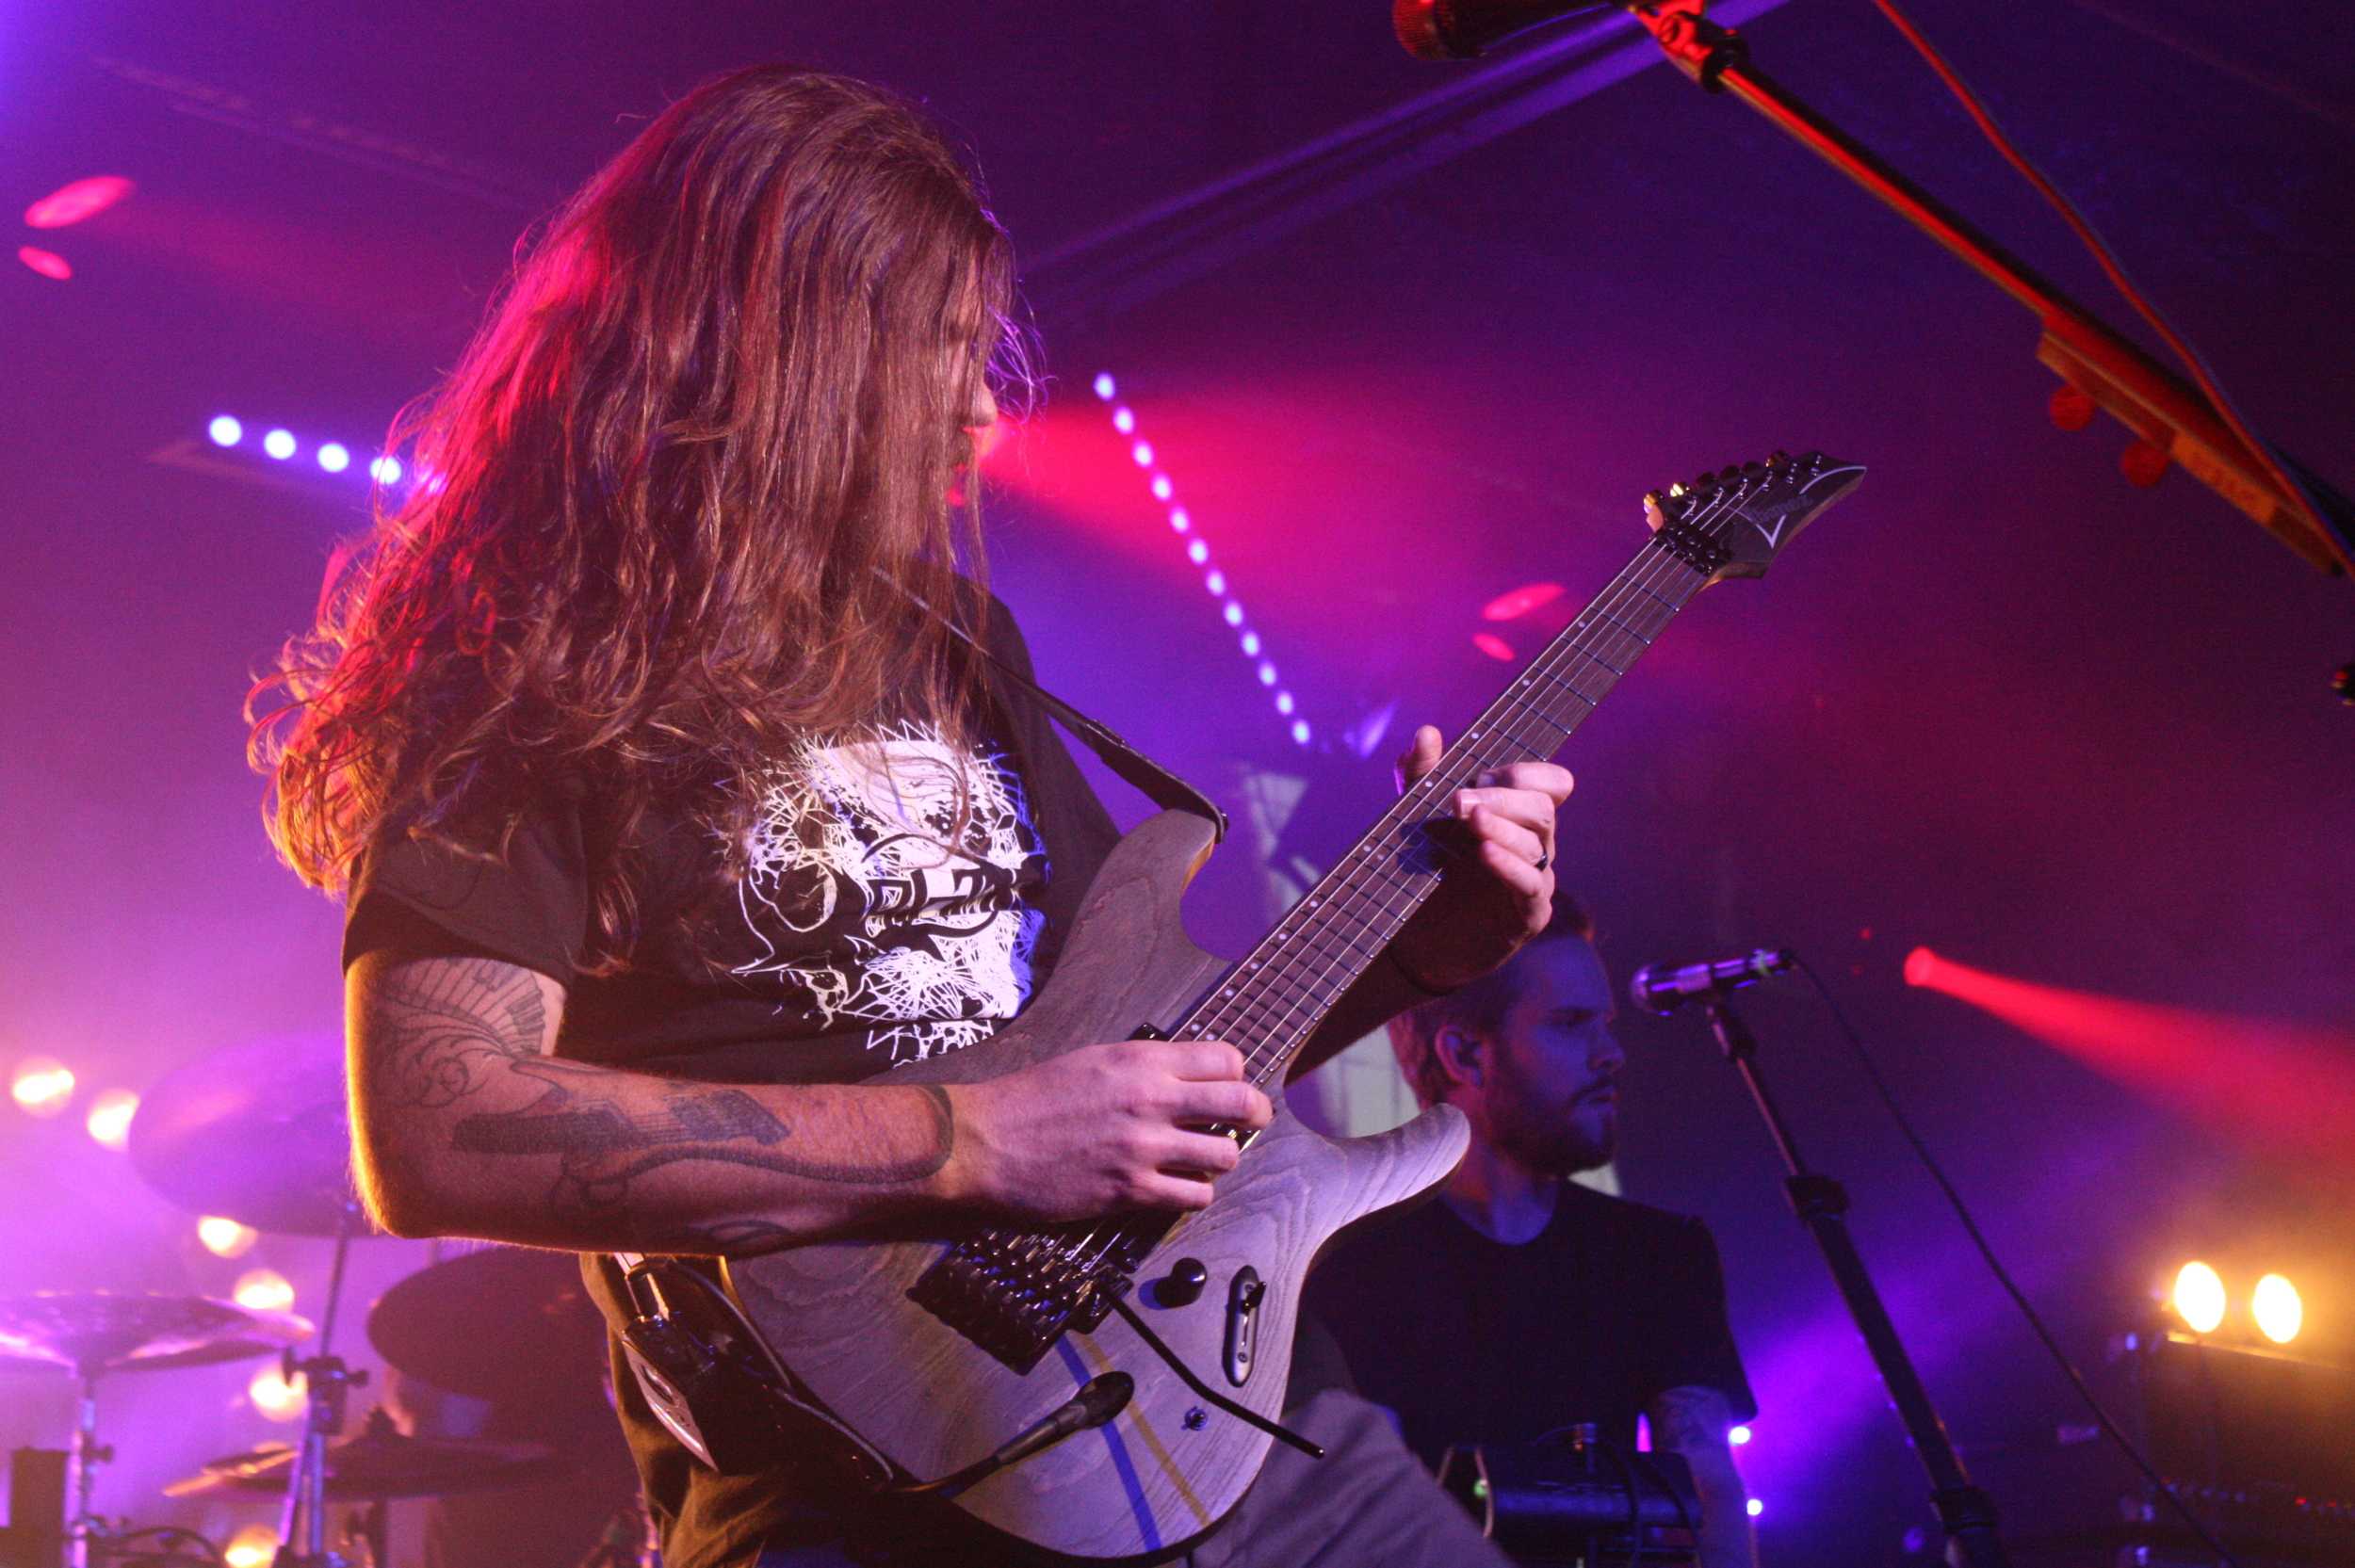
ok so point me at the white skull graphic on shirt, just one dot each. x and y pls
(858, 897)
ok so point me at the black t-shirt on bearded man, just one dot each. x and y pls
(856, 943)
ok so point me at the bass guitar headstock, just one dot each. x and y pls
(1734, 522)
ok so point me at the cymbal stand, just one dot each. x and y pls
(84, 1454)
(328, 1382)
(1822, 1204)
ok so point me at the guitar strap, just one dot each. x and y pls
(1132, 767)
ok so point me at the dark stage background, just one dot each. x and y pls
(2000, 702)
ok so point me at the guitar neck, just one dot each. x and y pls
(1275, 998)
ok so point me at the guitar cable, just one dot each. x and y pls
(2003, 1276)
(1250, 1417)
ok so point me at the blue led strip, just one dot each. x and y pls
(1198, 552)
(227, 431)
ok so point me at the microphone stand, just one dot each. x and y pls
(1821, 1204)
(2098, 366)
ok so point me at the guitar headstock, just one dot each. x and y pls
(1734, 522)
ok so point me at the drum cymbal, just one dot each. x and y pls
(90, 1332)
(380, 1463)
(257, 1132)
(503, 1324)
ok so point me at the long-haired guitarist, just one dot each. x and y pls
(670, 811)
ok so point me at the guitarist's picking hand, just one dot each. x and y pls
(1498, 892)
(1105, 1127)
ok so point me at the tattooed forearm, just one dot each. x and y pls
(441, 1026)
(604, 1146)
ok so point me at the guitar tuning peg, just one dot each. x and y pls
(1778, 459)
(1753, 468)
(1654, 497)
(1676, 490)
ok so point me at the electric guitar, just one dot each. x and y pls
(1106, 1392)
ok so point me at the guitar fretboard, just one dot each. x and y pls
(1273, 1000)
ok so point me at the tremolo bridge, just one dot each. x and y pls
(1014, 1293)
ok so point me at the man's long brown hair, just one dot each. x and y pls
(673, 503)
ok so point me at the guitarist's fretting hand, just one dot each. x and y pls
(1104, 1127)
(1498, 896)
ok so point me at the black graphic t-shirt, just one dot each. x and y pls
(869, 931)
(865, 935)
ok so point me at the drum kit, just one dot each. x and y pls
(256, 1133)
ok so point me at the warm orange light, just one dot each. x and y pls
(263, 1290)
(2279, 1312)
(275, 1397)
(226, 1237)
(109, 1119)
(2198, 1298)
(42, 1086)
(250, 1547)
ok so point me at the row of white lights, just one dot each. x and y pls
(226, 431)
(1198, 552)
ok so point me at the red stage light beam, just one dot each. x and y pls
(69, 204)
(2291, 1086)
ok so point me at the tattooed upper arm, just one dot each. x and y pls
(423, 1029)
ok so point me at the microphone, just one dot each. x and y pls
(1463, 30)
(1659, 988)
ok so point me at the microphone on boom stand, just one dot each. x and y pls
(1658, 988)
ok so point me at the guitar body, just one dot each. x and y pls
(1169, 1465)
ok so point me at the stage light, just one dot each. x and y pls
(279, 445)
(250, 1547)
(1921, 966)
(1738, 1435)
(1513, 605)
(109, 1118)
(384, 471)
(333, 458)
(74, 202)
(2198, 1297)
(276, 1397)
(1755, 1506)
(47, 262)
(2279, 1312)
(226, 1237)
(224, 430)
(1284, 704)
(1494, 646)
(1163, 488)
(263, 1290)
(42, 1086)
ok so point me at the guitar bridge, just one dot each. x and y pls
(1014, 1293)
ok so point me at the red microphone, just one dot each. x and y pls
(1464, 29)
